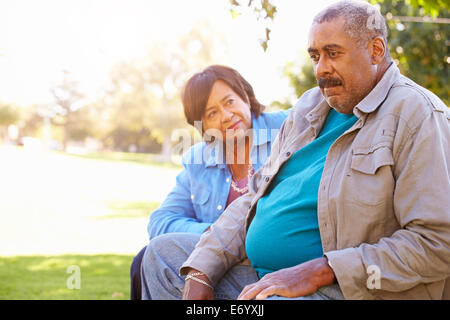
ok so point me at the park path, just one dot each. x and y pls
(54, 204)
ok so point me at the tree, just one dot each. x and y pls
(265, 9)
(8, 116)
(420, 49)
(145, 93)
(68, 99)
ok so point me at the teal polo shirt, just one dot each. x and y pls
(285, 230)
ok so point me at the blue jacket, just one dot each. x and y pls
(201, 191)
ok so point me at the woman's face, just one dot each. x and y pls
(226, 112)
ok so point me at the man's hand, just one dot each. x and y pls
(301, 280)
(194, 290)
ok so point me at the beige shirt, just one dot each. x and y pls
(383, 201)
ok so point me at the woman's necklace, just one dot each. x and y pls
(233, 183)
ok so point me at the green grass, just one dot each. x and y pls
(139, 158)
(130, 209)
(103, 277)
(62, 212)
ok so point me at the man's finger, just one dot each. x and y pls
(251, 292)
(269, 291)
(246, 289)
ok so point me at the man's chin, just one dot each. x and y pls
(333, 101)
(338, 106)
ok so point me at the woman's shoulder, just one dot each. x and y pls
(194, 155)
(274, 119)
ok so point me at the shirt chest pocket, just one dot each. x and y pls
(200, 195)
(372, 182)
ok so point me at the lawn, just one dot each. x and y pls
(90, 211)
(140, 158)
(102, 277)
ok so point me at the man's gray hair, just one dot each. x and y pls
(363, 21)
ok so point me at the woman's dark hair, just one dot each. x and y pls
(198, 88)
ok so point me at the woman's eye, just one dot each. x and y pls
(230, 102)
(211, 114)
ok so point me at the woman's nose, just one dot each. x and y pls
(226, 115)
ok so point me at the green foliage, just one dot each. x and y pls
(431, 7)
(421, 49)
(264, 9)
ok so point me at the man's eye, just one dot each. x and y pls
(314, 57)
(333, 54)
(230, 102)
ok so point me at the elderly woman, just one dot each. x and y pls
(238, 137)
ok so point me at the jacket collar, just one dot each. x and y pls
(367, 105)
(379, 93)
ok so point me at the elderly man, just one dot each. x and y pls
(354, 200)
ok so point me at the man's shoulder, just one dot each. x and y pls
(308, 100)
(412, 102)
(405, 89)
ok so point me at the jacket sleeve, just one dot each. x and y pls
(419, 251)
(223, 246)
(176, 213)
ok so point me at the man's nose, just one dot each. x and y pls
(323, 67)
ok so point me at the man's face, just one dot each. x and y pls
(344, 71)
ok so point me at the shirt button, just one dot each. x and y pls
(219, 207)
(227, 180)
(288, 154)
(267, 179)
(192, 196)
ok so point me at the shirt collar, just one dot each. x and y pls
(367, 105)
(259, 124)
(214, 151)
(378, 94)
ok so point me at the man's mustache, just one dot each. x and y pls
(329, 82)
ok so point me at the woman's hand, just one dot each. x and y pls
(301, 280)
(194, 290)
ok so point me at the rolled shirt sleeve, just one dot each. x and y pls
(176, 213)
(223, 246)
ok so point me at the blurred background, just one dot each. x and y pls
(90, 113)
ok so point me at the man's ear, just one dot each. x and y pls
(378, 50)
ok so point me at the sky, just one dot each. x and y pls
(39, 39)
